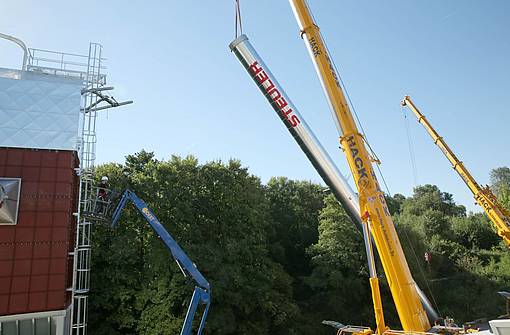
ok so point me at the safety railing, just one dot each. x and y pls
(101, 206)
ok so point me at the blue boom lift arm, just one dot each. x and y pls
(202, 293)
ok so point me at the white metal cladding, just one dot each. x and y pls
(39, 110)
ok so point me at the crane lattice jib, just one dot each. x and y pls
(483, 195)
(372, 203)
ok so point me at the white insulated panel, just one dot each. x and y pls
(39, 110)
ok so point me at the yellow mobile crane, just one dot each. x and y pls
(375, 213)
(483, 195)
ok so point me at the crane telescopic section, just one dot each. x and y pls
(373, 206)
(483, 195)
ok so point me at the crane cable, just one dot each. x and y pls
(422, 271)
(351, 105)
(412, 157)
(410, 144)
(238, 21)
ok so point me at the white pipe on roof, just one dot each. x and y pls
(21, 44)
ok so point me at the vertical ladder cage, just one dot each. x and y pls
(82, 253)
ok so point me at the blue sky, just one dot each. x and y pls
(192, 97)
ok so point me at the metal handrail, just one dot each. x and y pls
(101, 208)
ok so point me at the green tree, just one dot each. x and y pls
(505, 199)
(464, 250)
(339, 280)
(427, 197)
(395, 203)
(475, 232)
(294, 207)
(280, 257)
(218, 213)
(500, 184)
(500, 180)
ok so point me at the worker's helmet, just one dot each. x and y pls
(104, 179)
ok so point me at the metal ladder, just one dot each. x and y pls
(87, 195)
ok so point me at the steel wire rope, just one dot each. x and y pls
(238, 20)
(358, 121)
(422, 272)
(415, 176)
(410, 144)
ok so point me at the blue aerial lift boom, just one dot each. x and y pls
(202, 293)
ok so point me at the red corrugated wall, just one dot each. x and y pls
(35, 266)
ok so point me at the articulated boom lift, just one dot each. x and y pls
(202, 293)
(374, 211)
(483, 195)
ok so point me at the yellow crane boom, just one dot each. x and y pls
(483, 195)
(373, 206)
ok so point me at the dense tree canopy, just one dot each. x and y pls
(219, 215)
(280, 257)
(500, 180)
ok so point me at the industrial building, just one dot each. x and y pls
(48, 112)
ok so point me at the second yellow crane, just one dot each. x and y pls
(483, 195)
